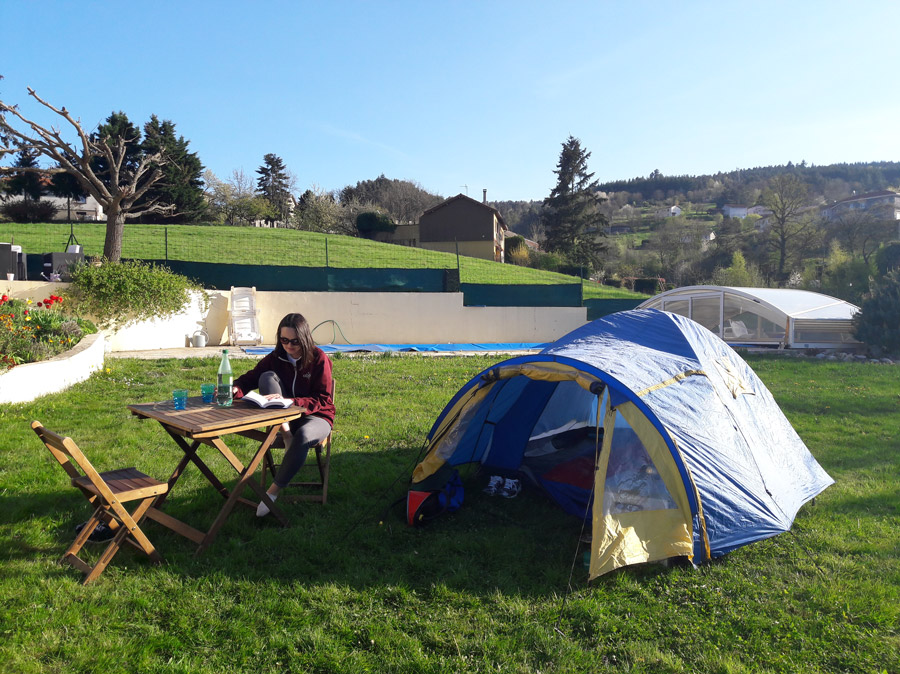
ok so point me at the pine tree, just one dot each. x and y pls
(571, 219)
(273, 184)
(182, 181)
(26, 183)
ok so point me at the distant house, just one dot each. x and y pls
(620, 229)
(886, 199)
(464, 224)
(735, 211)
(82, 210)
(668, 212)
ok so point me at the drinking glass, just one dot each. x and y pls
(209, 392)
(179, 398)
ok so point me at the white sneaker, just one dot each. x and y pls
(511, 488)
(262, 509)
(494, 485)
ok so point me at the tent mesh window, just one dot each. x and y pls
(632, 481)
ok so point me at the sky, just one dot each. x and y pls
(462, 96)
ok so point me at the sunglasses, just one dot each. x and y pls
(292, 342)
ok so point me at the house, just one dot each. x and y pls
(740, 212)
(465, 225)
(735, 211)
(85, 209)
(883, 199)
(668, 212)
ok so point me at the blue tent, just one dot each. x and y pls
(648, 422)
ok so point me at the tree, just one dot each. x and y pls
(26, 181)
(274, 184)
(105, 164)
(317, 211)
(66, 186)
(572, 222)
(791, 229)
(878, 322)
(403, 200)
(182, 181)
(861, 232)
(739, 274)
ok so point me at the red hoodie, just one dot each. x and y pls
(308, 386)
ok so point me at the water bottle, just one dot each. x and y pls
(223, 382)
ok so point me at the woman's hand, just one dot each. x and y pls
(272, 396)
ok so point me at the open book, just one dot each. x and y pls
(261, 401)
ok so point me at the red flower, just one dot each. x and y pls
(39, 304)
(25, 312)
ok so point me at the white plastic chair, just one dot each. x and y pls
(244, 318)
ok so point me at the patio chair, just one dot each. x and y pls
(244, 320)
(318, 486)
(107, 492)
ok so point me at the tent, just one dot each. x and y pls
(648, 422)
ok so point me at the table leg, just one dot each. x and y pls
(246, 475)
(191, 454)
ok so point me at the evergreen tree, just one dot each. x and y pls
(26, 183)
(66, 186)
(274, 184)
(878, 322)
(182, 181)
(115, 130)
(572, 222)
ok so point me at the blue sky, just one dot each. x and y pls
(463, 96)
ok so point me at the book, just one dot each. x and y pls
(262, 401)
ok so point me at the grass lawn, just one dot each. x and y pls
(283, 247)
(349, 588)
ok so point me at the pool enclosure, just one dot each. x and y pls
(777, 317)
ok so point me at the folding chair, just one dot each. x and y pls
(106, 492)
(319, 487)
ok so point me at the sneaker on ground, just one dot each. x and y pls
(494, 485)
(511, 488)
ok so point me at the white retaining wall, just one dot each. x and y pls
(387, 318)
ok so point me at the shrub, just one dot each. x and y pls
(370, 222)
(878, 323)
(28, 211)
(116, 294)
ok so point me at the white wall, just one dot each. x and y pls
(387, 318)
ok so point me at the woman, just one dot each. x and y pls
(299, 370)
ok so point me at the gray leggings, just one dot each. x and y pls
(308, 432)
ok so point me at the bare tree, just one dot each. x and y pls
(791, 226)
(118, 189)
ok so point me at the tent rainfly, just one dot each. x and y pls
(647, 422)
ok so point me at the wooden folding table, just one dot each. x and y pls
(207, 424)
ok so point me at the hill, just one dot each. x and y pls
(282, 247)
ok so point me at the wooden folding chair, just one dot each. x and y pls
(106, 492)
(317, 487)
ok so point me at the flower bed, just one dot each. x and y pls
(32, 332)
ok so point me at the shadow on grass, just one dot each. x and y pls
(526, 545)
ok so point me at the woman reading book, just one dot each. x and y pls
(299, 370)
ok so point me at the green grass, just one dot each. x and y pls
(349, 588)
(282, 247)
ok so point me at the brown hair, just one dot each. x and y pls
(307, 345)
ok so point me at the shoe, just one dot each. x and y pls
(262, 509)
(511, 488)
(100, 533)
(494, 485)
